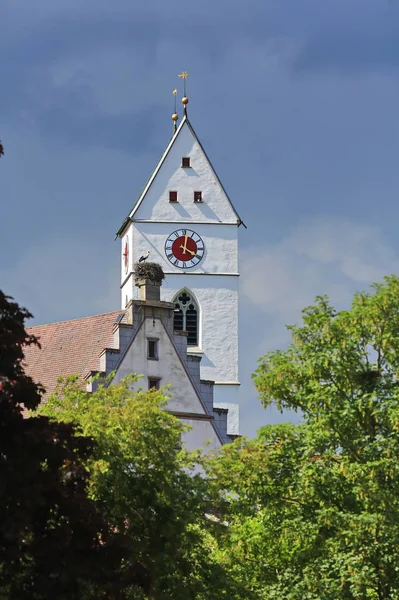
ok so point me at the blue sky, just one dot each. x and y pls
(295, 102)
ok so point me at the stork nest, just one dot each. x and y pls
(149, 270)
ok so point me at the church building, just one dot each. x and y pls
(183, 332)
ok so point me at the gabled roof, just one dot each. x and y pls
(69, 347)
(140, 199)
(74, 348)
(182, 363)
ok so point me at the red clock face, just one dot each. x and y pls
(184, 248)
(126, 255)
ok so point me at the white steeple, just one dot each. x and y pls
(187, 222)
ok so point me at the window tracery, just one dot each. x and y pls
(186, 316)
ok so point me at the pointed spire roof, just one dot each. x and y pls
(184, 123)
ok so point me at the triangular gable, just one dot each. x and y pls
(185, 400)
(184, 136)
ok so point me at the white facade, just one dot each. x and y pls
(214, 281)
(169, 368)
(198, 432)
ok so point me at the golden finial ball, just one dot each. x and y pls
(184, 100)
(175, 116)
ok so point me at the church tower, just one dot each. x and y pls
(185, 221)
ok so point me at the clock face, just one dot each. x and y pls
(184, 248)
(126, 254)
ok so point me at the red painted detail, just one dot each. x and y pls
(126, 255)
(184, 249)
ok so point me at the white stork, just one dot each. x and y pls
(144, 257)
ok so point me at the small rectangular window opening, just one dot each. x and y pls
(197, 196)
(152, 349)
(153, 383)
(185, 161)
(172, 196)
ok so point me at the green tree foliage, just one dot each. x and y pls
(149, 486)
(313, 509)
(54, 542)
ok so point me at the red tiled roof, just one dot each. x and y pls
(68, 347)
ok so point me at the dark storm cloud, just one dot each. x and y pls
(338, 36)
(350, 52)
(121, 132)
(295, 102)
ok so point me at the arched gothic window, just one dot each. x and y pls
(186, 316)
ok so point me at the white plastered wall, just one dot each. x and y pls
(201, 435)
(214, 281)
(218, 316)
(199, 177)
(169, 368)
(221, 246)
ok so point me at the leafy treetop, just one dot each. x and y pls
(148, 484)
(313, 509)
(54, 542)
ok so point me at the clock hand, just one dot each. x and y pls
(184, 248)
(187, 250)
(185, 243)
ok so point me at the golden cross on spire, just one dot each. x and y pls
(175, 116)
(183, 75)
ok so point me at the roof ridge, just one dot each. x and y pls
(157, 169)
(152, 176)
(78, 318)
(239, 220)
